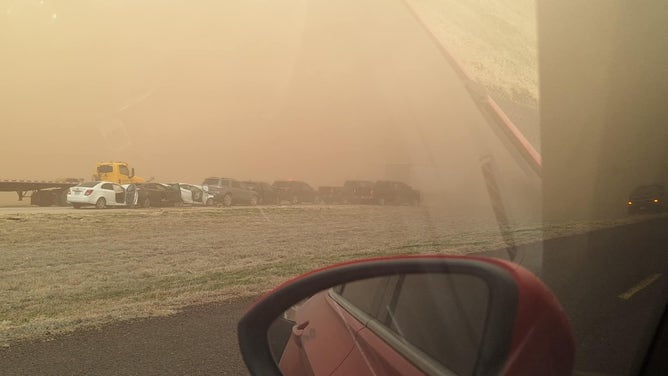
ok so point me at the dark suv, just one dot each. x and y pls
(358, 191)
(228, 192)
(646, 198)
(266, 194)
(295, 191)
(331, 195)
(395, 193)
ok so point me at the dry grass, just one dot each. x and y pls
(495, 40)
(69, 269)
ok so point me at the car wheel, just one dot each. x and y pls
(381, 201)
(227, 200)
(253, 201)
(209, 202)
(101, 203)
(146, 203)
(295, 200)
(178, 204)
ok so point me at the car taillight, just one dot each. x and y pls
(88, 192)
(656, 200)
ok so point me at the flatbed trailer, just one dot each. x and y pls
(41, 192)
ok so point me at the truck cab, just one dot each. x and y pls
(117, 172)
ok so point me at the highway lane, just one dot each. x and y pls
(613, 284)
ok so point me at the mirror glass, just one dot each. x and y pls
(430, 323)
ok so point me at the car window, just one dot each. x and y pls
(105, 169)
(461, 315)
(90, 184)
(368, 295)
(648, 190)
(530, 131)
(124, 170)
(455, 304)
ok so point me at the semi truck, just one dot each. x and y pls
(54, 192)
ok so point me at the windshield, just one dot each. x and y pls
(89, 184)
(509, 129)
(361, 184)
(647, 190)
(211, 181)
(105, 169)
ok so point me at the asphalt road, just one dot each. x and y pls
(200, 340)
(611, 282)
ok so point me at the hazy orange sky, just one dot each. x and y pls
(321, 91)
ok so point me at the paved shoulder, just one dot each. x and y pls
(199, 340)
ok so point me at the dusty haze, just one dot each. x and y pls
(320, 91)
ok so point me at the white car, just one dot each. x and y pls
(194, 194)
(102, 194)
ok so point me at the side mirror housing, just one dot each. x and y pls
(486, 316)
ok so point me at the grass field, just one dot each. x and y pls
(496, 41)
(64, 269)
(61, 271)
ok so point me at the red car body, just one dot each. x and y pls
(328, 338)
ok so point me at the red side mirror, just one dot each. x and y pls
(409, 315)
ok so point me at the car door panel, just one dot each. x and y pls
(108, 194)
(373, 356)
(131, 195)
(321, 338)
(197, 195)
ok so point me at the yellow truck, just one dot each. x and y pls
(117, 172)
(54, 192)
